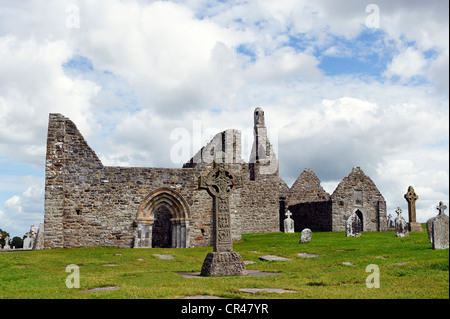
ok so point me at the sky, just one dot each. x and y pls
(342, 83)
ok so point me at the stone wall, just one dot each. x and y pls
(358, 192)
(312, 207)
(309, 203)
(89, 204)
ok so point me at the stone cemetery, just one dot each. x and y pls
(401, 226)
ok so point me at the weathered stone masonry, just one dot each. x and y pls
(312, 207)
(89, 204)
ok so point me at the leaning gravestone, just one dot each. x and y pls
(288, 223)
(401, 226)
(353, 226)
(306, 236)
(439, 229)
(220, 183)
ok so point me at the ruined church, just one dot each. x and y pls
(90, 204)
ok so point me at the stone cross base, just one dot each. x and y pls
(223, 264)
(414, 226)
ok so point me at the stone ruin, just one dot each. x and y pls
(88, 204)
(312, 207)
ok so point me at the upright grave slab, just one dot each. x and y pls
(439, 229)
(401, 226)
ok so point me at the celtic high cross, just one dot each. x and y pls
(220, 184)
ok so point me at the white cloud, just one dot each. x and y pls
(35, 86)
(407, 64)
(22, 211)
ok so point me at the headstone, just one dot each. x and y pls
(401, 226)
(390, 224)
(273, 258)
(307, 255)
(439, 229)
(288, 223)
(411, 198)
(220, 184)
(306, 236)
(353, 226)
(7, 247)
(27, 242)
(430, 221)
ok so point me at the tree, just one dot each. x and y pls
(17, 242)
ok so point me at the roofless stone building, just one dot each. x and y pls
(90, 204)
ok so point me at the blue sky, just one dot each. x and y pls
(337, 91)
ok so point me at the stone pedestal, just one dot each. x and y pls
(223, 264)
(414, 226)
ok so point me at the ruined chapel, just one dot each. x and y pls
(89, 204)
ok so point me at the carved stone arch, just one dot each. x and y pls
(179, 210)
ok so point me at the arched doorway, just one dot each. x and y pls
(360, 216)
(162, 220)
(162, 228)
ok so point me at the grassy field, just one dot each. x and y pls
(408, 268)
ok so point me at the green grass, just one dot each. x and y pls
(41, 274)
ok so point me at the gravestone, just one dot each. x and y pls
(401, 226)
(390, 224)
(220, 184)
(439, 229)
(288, 223)
(305, 236)
(353, 226)
(28, 242)
(411, 198)
(7, 247)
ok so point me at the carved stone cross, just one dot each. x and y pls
(441, 208)
(288, 214)
(220, 183)
(399, 212)
(411, 198)
(223, 261)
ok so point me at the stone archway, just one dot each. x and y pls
(174, 219)
(361, 218)
(162, 228)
